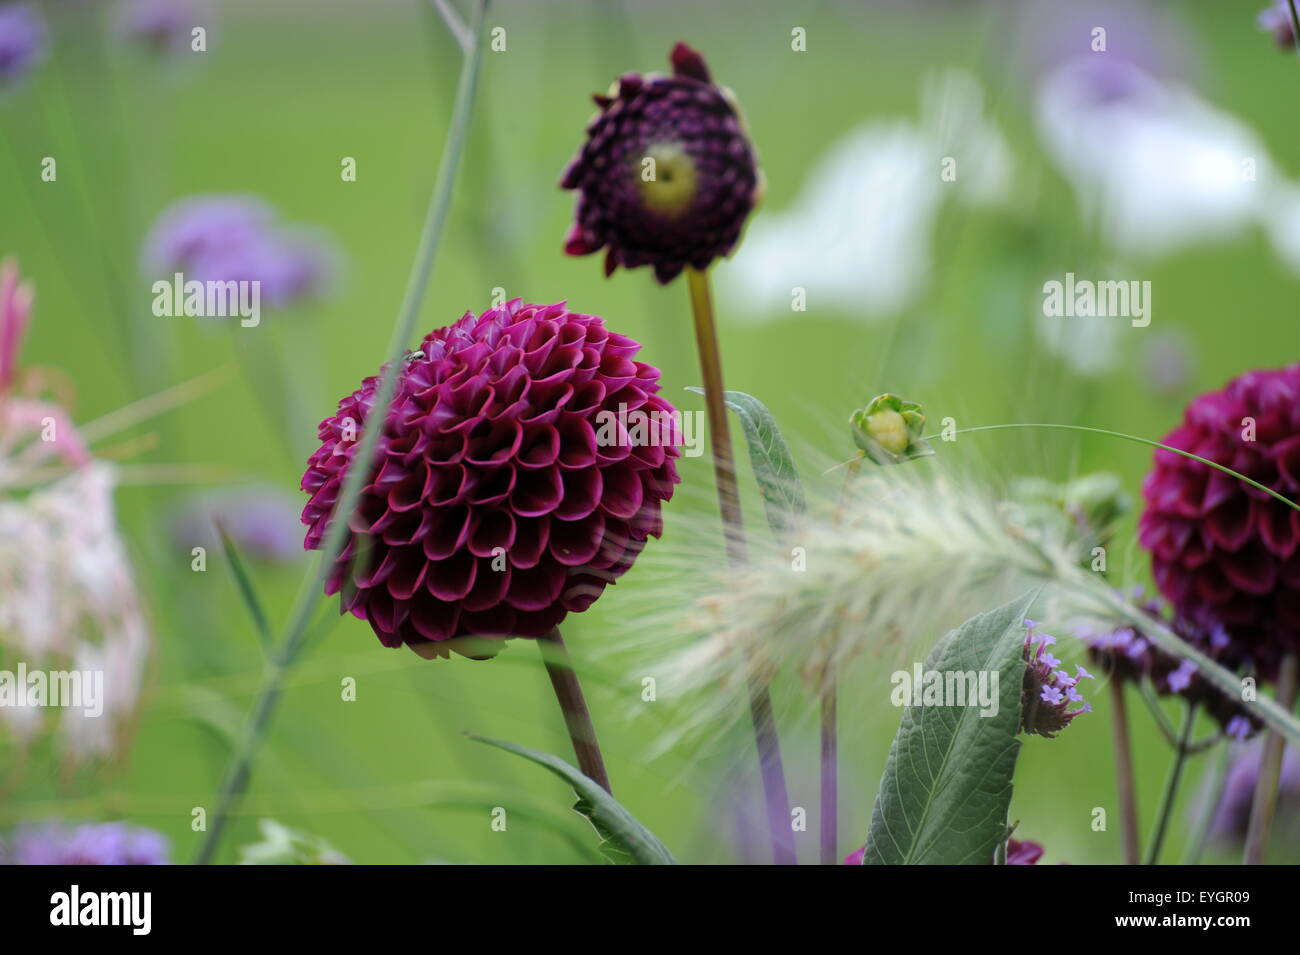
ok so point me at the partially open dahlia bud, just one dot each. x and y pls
(521, 469)
(667, 175)
(1224, 553)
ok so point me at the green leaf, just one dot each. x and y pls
(944, 796)
(624, 841)
(245, 584)
(778, 481)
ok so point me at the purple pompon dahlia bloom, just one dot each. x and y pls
(22, 41)
(1225, 554)
(667, 176)
(106, 843)
(521, 469)
(1048, 690)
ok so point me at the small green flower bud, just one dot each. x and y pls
(889, 430)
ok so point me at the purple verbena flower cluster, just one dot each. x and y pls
(1048, 690)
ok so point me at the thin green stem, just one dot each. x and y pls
(1295, 24)
(577, 718)
(1154, 629)
(1170, 796)
(1264, 805)
(1128, 437)
(1124, 785)
(358, 472)
(1211, 796)
(766, 738)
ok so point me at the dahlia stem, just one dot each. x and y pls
(568, 692)
(290, 647)
(724, 471)
(1264, 805)
(1171, 787)
(1128, 812)
(830, 815)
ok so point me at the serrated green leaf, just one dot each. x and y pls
(947, 785)
(774, 470)
(623, 839)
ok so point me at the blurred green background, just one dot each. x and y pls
(289, 89)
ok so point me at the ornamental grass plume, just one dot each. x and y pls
(913, 556)
(667, 175)
(509, 489)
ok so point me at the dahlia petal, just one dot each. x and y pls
(537, 587)
(574, 543)
(623, 493)
(582, 494)
(531, 537)
(453, 578)
(537, 492)
(1229, 525)
(495, 529)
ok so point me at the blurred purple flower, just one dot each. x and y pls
(1137, 41)
(1277, 21)
(106, 843)
(225, 238)
(262, 522)
(22, 41)
(1167, 362)
(856, 857)
(1232, 816)
(163, 26)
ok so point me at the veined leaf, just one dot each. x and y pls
(778, 481)
(947, 786)
(624, 841)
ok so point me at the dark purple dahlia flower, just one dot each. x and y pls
(107, 843)
(667, 176)
(1048, 691)
(521, 469)
(1222, 552)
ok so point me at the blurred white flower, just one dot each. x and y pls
(67, 595)
(858, 237)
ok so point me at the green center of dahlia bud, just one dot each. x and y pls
(890, 430)
(666, 175)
